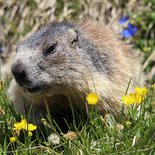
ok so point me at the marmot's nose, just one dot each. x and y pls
(19, 72)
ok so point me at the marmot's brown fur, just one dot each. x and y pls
(63, 62)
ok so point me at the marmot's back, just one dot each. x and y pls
(64, 59)
(117, 64)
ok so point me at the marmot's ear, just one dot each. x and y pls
(72, 36)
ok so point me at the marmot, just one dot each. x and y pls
(62, 62)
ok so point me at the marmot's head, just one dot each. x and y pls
(50, 59)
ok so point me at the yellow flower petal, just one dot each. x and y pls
(23, 125)
(129, 99)
(20, 125)
(17, 126)
(31, 127)
(13, 139)
(92, 98)
(141, 91)
(132, 99)
(139, 98)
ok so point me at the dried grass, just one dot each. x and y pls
(20, 17)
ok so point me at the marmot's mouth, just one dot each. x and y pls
(36, 89)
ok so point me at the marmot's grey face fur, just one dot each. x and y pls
(49, 59)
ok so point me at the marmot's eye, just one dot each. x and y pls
(51, 49)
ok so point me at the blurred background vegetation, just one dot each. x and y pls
(17, 18)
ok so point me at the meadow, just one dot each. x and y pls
(133, 133)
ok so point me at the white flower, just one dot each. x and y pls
(54, 138)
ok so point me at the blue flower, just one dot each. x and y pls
(129, 31)
(123, 20)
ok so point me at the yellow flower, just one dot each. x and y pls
(23, 125)
(20, 125)
(132, 99)
(129, 99)
(13, 139)
(31, 127)
(153, 86)
(147, 49)
(92, 98)
(141, 91)
(135, 98)
(30, 134)
(128, 123)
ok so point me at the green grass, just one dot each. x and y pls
(97, 136)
